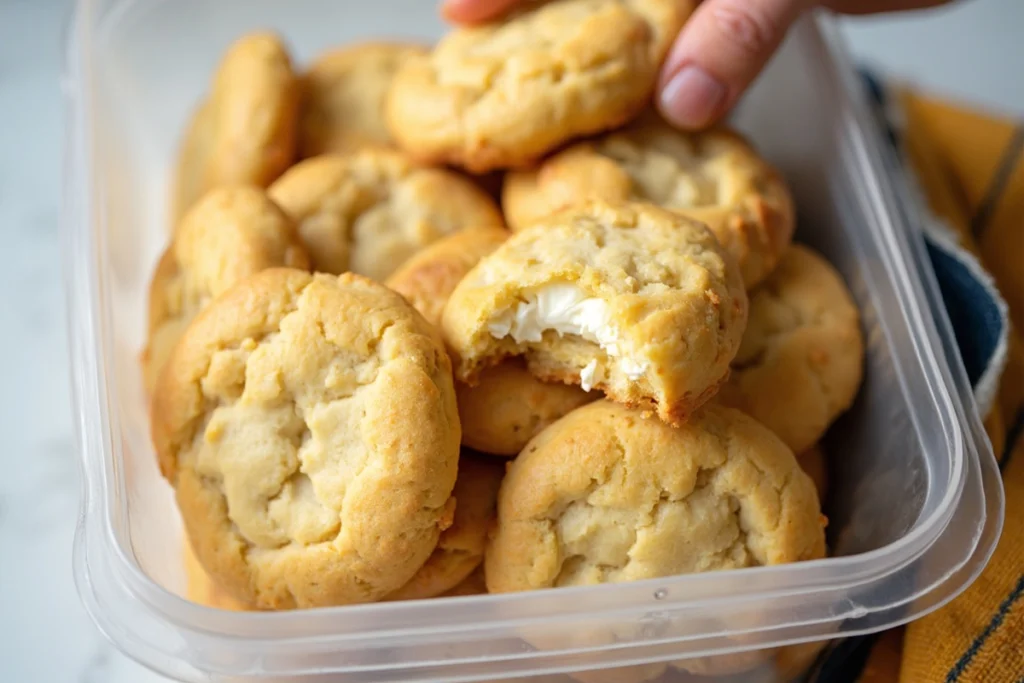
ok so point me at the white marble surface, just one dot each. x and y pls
(970, 51)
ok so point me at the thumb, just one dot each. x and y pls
(720, 50)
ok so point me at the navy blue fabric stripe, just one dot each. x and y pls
(845, 662)
(1013, 435)
(975, 317)
(993, 625)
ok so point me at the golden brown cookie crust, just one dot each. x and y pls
(231, 233)
(673, 306)
(200, 588)
(715, 177)
(343, 94)
(309, 428)
(246, 131)
(370, 211)
(427, 279)
(509, 406)
(474, 584)
(460, 549)
(502, 94)
(802, 358)
(605, 495)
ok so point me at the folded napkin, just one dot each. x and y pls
(965, 171)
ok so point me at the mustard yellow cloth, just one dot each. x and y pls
(970, 166)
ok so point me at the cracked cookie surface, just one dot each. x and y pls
(246, 129)
(343, 95)
(802, 358)
(309, 428)
(460, 549)
(370, 211)
(712, 176)
(228, 235)
(508, 405)
(606, 495)
(502, 94)
(636, 301)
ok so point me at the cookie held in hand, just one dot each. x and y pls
(503, 94)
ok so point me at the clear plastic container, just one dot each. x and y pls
(916, 504)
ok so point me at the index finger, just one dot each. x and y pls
(474, 11)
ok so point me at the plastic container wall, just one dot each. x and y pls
(916, 501)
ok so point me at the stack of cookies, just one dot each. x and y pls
(370, 382)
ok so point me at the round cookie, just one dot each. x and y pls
(229, 234)
(370, 211)
(802, 357)
(309, 428)
(509, 405)
(631, 299)
(713, 176)
(460, 549)
(607, 495)
(343, 95)
(502, 94)
(245, 132)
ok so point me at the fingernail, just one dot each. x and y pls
(692, 97)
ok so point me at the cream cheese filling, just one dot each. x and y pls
(565, 309)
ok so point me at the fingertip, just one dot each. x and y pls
(473, 11)
(691, 98)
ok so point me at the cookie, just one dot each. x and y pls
(370, 211)
(200, 589)
(802, 357)
(460, 549)
(715, 177)
(230, 234)
(607, 495)
(343, 97)
(636, 301)
(508, 405)
(246, 131)
(309, 428)
(502, 94)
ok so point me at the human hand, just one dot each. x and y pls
(719, 52)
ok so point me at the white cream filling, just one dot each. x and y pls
(566, 310)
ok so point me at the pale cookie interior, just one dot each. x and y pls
(566, 310)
